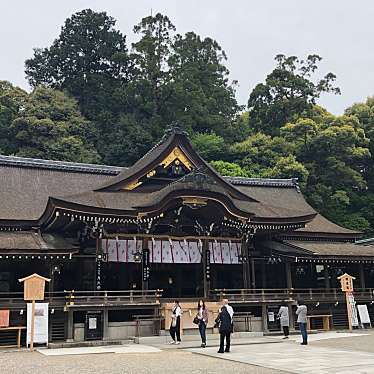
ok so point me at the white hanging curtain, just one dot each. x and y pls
(224, 252)
(168, 251)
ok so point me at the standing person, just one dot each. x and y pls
(301, 313)
(224, 322)
(175, 327)
(229, 308)
(202, 315)
(284, 319)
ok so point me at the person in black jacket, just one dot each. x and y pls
(225, 329)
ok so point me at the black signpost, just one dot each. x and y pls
(207, 265)
(146, 268)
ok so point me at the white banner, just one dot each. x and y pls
(364, 314)
(352, 306)
(41, 323)
(170, 251)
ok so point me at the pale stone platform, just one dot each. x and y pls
(293, 358)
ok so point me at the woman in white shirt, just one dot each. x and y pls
(175, 327)
(284, 320)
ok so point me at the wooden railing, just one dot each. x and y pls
(289, 294)
(86, 299)
(81, 299)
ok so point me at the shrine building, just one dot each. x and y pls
(122, 243)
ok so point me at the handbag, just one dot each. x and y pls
(196, 320)
(173, 322)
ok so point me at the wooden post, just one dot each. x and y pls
(349, 311)
(362, 277)
(246, 266)
(327, 276)
(346, 282)
(288, 275)
(32, 326)
(263, 273)
(253, 273)
(33, 289)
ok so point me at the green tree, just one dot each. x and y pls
(364, 112)
(334, 150)
(228, 169)
(90, 61)
(203, 99)
(259, 153)
(12, 100)
(50, 126)
(87, 59)
(288, 93)
(209, 146)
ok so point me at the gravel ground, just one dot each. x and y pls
(165, 362)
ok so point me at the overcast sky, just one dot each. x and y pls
(251, 33)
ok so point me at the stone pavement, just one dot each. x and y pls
(164, 362)
(129, 348)
(293, 358)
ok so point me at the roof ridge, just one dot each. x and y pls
(266, 182)
(59, 165)
(115, 170)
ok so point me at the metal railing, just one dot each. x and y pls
(80, 299)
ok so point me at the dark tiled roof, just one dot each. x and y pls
(24, 190)
(333, 249)
(29, 241)
(35, 163)
(26, 184)
(322, 225)
(58, 165)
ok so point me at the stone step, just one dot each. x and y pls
(88, 343)
(165, 338)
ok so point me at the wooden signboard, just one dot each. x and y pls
(346, 282)
(4, 318)
(33, 289)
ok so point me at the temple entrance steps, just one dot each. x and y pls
(193, 338)
(89, 343)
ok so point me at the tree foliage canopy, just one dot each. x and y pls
(94, 99)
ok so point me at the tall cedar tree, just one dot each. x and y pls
(288, 93)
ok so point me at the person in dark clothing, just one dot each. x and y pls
(225, 329)
(202, 315)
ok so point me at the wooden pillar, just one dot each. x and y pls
(70, 327)
(288, 275)
(206, 274)
(246, 266)
(253, 273)
(264, 318)
(327, 276)
(291, 317)
(362, 276)
(263, 274)
(105, 324)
